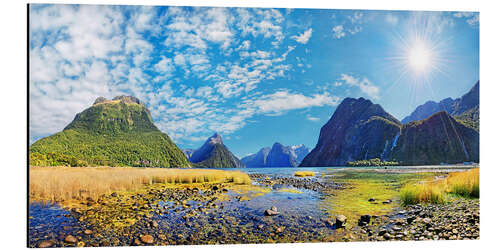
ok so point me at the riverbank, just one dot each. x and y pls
(276, 207)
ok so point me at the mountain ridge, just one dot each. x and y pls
(117, 132)
(214, 154)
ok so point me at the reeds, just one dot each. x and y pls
(304, 173)
(65, 183)
(422, 193)
(464, 184)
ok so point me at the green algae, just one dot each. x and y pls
(362, 186)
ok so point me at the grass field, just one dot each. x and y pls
(65, 183)
(465, 184)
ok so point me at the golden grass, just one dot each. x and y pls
(422, 192)
(304, 173)
(66, 183)
(464, 184)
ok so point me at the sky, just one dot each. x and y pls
(256, 76)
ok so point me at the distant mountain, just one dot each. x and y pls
(257, 160)
(110, 132)
(277, 156)
(281, 156)
(427, 109)
(357, 130)
(465, 108)
(361, 130)
(437, 139)
(214, 154)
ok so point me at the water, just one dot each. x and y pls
(296, 206)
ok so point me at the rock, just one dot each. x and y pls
(396, 228)
(87, 232)
(80, 244)
(148, 239)
(70, 239)
(340, 221)
(274, 208)
(261, 226)
(280, 229)
(427, 221)
(215, 188)
(371, 200)
(45, 244)
(387, 236)
(365, 219)
(270, 212)
(154, 224)
(386, 201)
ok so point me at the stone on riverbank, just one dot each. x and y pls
(148, 239)
(70, 239)
(340, 221)
(45, 244)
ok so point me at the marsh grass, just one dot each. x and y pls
(422, 192)
(465, 184)
(304, 173)
(56, 184)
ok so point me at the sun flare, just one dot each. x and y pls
(419, 57)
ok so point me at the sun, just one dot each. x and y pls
(419, 57)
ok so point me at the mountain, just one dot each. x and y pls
(277, 156)
(257, 160)
(214, 154)
(437, 139)
(299, 152)
(465, 109)
(357, 130)
(113, 132)
(427, 109)
(280, 156)
(361, 130)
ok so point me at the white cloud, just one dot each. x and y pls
(352, 25)
(283, 100)
(365, 85)
(313, 119)
(472, 18)
(303, 38)
(164, 66)
(338, 31)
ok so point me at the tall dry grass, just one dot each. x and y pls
(464, 184)
(65, 183)
(304, 173)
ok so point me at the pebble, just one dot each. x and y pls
(148, 239)
(70, 239)
(45, 244)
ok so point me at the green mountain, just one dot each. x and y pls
(464, 109)
(437, 139)
(117, 132)
(360, 130)
(214, 154)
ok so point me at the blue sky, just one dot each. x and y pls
(256, 76)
